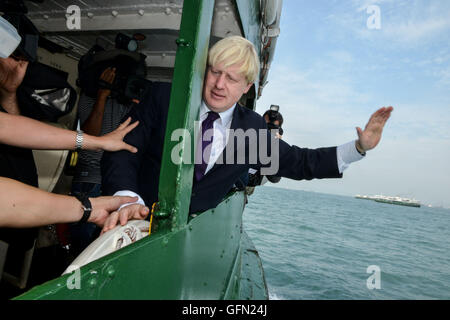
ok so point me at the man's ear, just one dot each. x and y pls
(248, 87)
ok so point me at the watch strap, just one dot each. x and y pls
(79, 140)
(87, 207)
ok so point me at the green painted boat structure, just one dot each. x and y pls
(206, 257)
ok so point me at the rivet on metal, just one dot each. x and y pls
(92, 282)
(110, 271)
(182, 42)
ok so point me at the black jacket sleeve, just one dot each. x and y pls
(120, 170)
(300, 163)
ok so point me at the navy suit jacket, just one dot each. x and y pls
(140, 172)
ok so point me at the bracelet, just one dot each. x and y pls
(86, 205)
(79, 140)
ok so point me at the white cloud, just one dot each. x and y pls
(408, 23)
(414, 32)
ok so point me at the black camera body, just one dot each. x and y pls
(129, 84)
(273, 116)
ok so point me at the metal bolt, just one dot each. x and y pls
(92, 283)
(182, 42)
(110, 271)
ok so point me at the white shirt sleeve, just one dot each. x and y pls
(347, 154)
(129, 193)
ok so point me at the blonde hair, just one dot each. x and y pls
(236, 50)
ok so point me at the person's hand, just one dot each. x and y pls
(370, 137)
(108, 75)
(130, 212)
(12, 73)
(103, 206)
(113, 141)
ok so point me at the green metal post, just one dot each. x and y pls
(175, 184)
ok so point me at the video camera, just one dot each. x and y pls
(129, 84)
(273, 116)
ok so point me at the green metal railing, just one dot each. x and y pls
(176, 179)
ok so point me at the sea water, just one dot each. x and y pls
(321, 246)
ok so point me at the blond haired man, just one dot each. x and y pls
(233, 66)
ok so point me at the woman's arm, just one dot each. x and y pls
(24, 132)
(23, 206)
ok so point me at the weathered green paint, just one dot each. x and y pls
(201, 260)
(252, 281)
(176, 179)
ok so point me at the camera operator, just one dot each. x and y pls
(274, 121)
(98, 116)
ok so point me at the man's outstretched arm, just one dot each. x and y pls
(331, 162)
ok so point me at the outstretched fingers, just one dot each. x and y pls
(134, 212)
(130, 127)
(131, 212)
(380, 117)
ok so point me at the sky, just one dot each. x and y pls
(333, 68)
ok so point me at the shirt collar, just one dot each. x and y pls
(225, 116)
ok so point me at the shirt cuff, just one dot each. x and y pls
(129, 193)
(347, 154)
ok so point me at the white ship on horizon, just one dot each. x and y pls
(391, 200)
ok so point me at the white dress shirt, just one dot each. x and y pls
(220, 127)
(345, 153)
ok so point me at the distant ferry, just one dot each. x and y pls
(391, 200)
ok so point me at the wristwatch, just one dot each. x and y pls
(361, 153)
(86, 205)
(79, 140)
